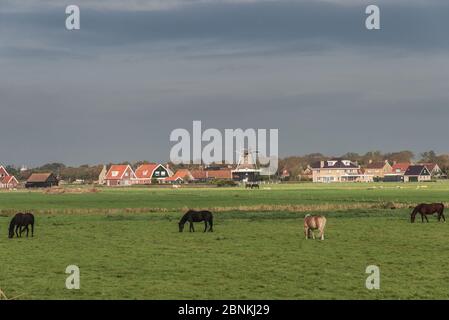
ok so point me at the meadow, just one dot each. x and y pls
(127, 245)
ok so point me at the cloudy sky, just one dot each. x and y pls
(136, 70)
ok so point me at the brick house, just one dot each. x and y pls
(378, 169)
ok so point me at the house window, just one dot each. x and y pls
(163, 173)
(156, 173)
(115, 173)
(145, 172)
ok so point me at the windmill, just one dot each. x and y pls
(247, 168)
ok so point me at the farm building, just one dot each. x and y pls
(147, 173)
(338, 170)
(378, 169)
(417, 173)
(120, 175)
(181, 176)
(42, 180)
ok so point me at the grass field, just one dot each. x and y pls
(127, 245)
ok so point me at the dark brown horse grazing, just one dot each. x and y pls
(196, 216)
(20, 223)
(425, 209)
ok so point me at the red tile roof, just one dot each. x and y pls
(219, 174)
(400, 167)
(8, 179)
(199, 174)
(180, 174)
(145, 171)
(117, 171)
(39, 177)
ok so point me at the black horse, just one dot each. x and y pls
(197, 216)
(252, 186)
(20, 223)
(424, 209)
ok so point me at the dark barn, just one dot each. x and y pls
(41, 180)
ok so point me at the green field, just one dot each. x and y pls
(127, 245)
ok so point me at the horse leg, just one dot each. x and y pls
(306, 232)
(322, 234)
(32, 230)
(426, 218)
(211, 224)
(17, 231)
(422, 218)
(205, 225)
(28, 230)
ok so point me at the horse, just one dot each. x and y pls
(252, 185)
(425, 209)
(20, 223)
(196, 216)
(312, 223)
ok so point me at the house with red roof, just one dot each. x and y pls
(397, 172)
(150, 172)
(400, 167)
(181, 176)
(7, 181)
(120, 175)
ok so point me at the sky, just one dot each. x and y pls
(114, 90)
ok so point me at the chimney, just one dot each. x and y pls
(321, 164)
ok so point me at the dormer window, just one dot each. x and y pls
(115, 173)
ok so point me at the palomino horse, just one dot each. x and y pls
(197, 216)
(312, 223)
(425, 209)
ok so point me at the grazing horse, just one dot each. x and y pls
(312, 223)
(196, 216)
(425, 209)
(20, 223)
(252, 186)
